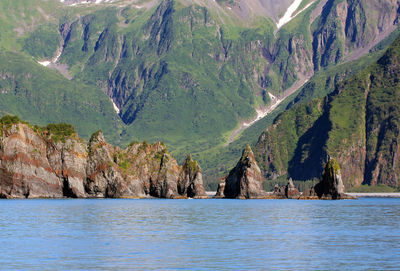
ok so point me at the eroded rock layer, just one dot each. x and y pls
(53, 162)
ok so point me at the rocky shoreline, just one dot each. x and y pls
(53, 162)
(245, 182)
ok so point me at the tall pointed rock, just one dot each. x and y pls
(245, 180)
(191, 181)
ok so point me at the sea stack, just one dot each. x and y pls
(331, 185)
(291, 192)
(245, 179)
(191, 180)
(220, 189)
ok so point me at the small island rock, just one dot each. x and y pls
(245, 180)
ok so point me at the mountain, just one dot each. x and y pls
(193, 74)
(358, 124)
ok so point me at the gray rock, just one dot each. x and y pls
(245, 180)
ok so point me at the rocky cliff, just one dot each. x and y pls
(53, 162)
(245, 180)
(358, 124)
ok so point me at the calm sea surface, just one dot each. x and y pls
(362, 234)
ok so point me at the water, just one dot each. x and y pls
(200, 234)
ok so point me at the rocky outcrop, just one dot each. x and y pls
(309, 194)
(245, 180)
(69, 160)
(53, 162)
(25, 171)
(289, 191)
(104, 179)
(191, 180)
(331, 186)
(220, 189)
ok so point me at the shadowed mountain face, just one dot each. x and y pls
(185, 72)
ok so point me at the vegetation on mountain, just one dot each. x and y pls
(181, 72)
(357, 124)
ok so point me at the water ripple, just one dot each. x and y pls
(200, 235)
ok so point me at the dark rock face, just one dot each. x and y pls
(69, 160)
(331, 186)
(245, 180)
(33, 165)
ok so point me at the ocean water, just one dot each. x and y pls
(110, 234)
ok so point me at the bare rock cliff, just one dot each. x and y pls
(37, 162)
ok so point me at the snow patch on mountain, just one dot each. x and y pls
(290, 12)
(52, 61)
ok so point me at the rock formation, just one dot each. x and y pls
(220, 189)
(330, 187)
(245, 180)
(191, 180)
(53, 162)
(291, 192)
(25, 171)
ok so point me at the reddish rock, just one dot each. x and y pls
(33, 164)
(25, 171)
(291, 192)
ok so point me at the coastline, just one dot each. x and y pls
(357, 195)
(375, 195)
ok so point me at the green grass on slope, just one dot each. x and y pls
(19, 18)
(41, 96)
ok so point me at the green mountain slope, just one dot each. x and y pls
(42, 96)
(358, 124)
(184, 72)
